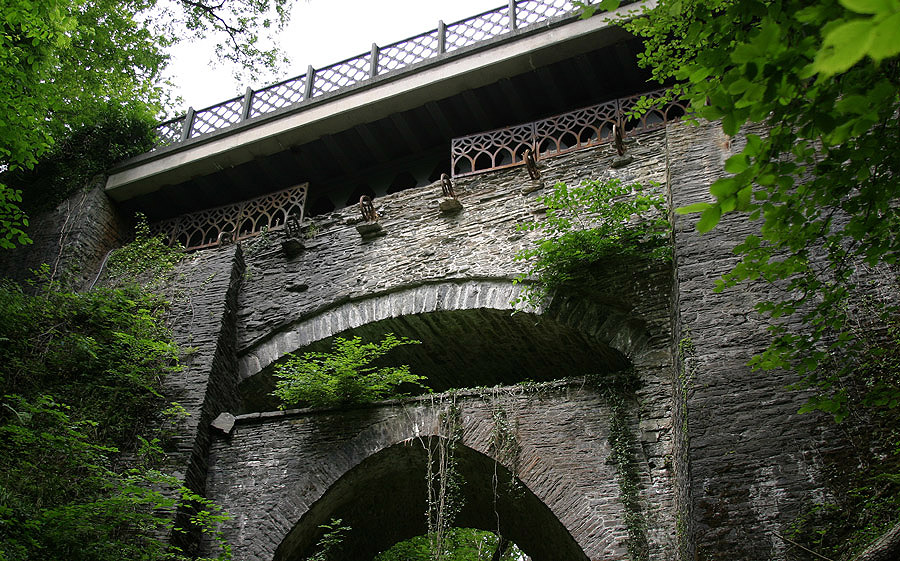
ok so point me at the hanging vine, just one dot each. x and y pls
(443, 481)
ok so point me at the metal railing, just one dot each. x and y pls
(230, 223)
(574, 130)
(378, 61)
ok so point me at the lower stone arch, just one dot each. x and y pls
(383, 501)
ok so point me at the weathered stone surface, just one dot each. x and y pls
(449, 205)
(223, 423)
(723, 460)
(72, 239)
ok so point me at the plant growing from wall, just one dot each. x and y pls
(616, 388)
(346, 375)
(599, 219)
(145, 259)
(443, 481)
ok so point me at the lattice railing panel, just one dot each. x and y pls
(341, 75)
(491, 150)
(355, 70)
(478, 28)
(582, 128)
(402, 54)
(217, 117)
(277, 96)
(169, 132)
(577, 129)
(199, 230)
(536, 11)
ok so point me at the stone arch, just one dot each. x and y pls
(383, 500)
(605, 321)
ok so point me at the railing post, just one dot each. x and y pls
(373, 60)
(512, 15)
(245, 108)
(188, 124)
(310, 78)
(442, 37)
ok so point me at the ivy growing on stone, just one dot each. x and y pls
(597, 220)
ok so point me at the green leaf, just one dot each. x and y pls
(868, 6)
(692, 208)
(709, 219)
(844, 46)
(737, 163)
(886, 38)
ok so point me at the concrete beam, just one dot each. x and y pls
(445, 76)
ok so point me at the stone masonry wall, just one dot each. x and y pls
(475, 248)
(287, 461)
(752, 460)
(72, 239)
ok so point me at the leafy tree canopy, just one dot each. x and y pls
(823, 77)
(65, 64)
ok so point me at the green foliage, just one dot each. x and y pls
(824, 78)
(80, 377)
(65, 64)
(329, 545)
(616, 388)
(865, 495)
(12, 219)
(82, 154)
(599, 219)
(343, 376)
(460, 544)
(145, 258)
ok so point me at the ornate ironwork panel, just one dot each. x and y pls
(277, 96)
(341, 75)
(491, 150)
(199, 230)
(169, 132)
(478, 28)
(577, 129)
(402, 54)
(582, 128)
(217, 117)
(536, 11)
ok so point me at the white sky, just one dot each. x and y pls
(321, 32)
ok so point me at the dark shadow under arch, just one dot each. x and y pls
(383, 499)
(470, 348)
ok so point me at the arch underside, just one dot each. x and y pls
(384, 500)
(469, 348)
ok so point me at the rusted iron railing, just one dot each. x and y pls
(234, 222)
(582, 128)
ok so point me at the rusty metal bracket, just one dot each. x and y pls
(367, 209)
(292, 226)
(531, 164)
(225, 237)
(619, 137)
(447, 186)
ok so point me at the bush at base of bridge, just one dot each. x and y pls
(79, 381)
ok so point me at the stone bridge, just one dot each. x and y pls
(721, 465)
(721, 462)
